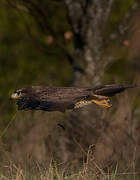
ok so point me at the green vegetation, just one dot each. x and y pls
(118, 11)
(26, 58)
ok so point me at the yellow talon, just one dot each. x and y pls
(104, 103)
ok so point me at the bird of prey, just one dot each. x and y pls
(63, 98)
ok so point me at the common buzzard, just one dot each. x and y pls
(63, 98)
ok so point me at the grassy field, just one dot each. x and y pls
(53, 173)
(88, 170)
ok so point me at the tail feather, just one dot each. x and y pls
(111, 90)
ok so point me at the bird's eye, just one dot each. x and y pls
(18, 93)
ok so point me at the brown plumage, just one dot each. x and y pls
(63, 98)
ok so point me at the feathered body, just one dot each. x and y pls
(62, 98)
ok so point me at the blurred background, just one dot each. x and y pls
(70, 43)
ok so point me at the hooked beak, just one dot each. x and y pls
(14, 96)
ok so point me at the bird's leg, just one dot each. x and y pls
(102, 101)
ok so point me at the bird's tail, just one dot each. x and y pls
(101, 94)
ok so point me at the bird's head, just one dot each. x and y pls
(19, 93)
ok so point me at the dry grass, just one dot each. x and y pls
(53, 173)
(89, 170)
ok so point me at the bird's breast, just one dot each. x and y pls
(82, 103)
